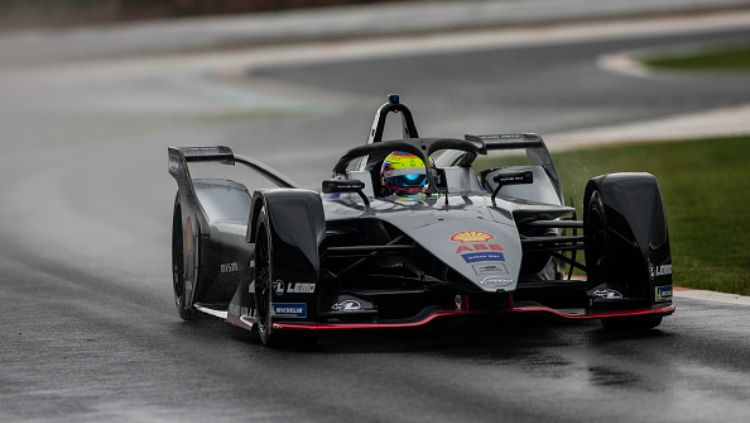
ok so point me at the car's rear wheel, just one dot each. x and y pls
(264, 295)
(178, 265)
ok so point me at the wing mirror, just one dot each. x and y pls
(511, 178)
(346, 185)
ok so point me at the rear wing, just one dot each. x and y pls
(219, 153)
(506, 141)
(534, 145)
(179, 157)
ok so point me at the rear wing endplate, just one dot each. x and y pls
(179, 157)
(506, 141)
(218, 153)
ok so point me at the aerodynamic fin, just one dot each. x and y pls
(506, 141)
(180, 156)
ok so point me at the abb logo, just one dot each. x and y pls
(478, 247)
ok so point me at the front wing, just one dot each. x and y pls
(431, 314)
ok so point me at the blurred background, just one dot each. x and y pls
(93, 91)
(21, 13)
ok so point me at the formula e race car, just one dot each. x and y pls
(410, 230)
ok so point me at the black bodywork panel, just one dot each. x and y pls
(638, 232)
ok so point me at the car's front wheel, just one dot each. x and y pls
(264, 295)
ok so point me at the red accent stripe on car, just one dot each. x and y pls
(602, 315)
(526, 309)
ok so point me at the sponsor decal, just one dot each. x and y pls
(278, 287)
(519, 137)
(300, 288)
(478, 247)
(607, 294)
(479, 257)
(496, 282)
(663, 270)
(471, 236)
(663, 293)
(490, 268)
(290, 310)
(475, 247)
(229, 267)
(347, 305)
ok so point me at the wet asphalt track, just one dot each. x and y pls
(89, 331)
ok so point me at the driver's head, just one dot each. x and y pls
(403, 174)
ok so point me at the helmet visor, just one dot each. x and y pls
(409, 180)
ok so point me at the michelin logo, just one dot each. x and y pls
(663, 293)
(290, 310)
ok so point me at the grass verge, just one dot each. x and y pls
(734, 58)
(705, 185)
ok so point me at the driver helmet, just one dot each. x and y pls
(403, 174)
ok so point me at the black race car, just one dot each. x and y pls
(289, 262)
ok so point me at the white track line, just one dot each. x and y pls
(624, 64)
(712, 296)
(239, 60)
(722, 122)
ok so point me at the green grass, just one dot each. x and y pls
(735, 58)
(705, 185)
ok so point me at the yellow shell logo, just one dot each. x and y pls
(472, 236)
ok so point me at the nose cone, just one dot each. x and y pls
(489, 254)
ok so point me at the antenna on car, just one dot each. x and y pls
(392, 106)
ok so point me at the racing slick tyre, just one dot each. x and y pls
(178, 265)
(631, 324)
(264, 294)
(611, 253)
(598, 247)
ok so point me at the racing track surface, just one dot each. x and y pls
(88, 330)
